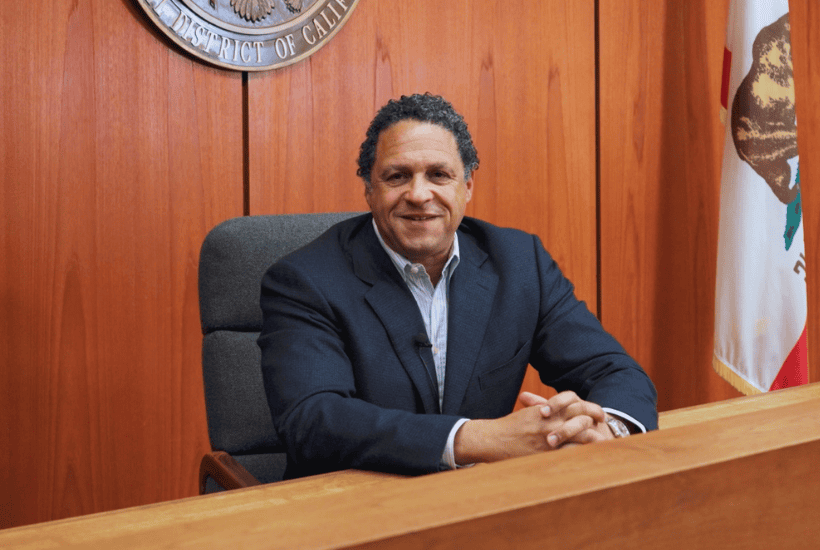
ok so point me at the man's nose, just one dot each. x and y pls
(419, 190)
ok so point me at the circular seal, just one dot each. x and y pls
(250, 35)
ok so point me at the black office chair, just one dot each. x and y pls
(234, 257)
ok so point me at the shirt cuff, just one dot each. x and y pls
(624, 416)
(448, 458)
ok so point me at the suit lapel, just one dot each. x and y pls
(472, 290)
(396, 308)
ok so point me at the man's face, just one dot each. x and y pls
(418, 192)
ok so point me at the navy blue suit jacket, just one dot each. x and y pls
(345, 374)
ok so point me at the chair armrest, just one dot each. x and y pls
(225, 470)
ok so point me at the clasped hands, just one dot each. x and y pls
(542, 425)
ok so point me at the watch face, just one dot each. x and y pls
(618, 428)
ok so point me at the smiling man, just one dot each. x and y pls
(398, 340)
(418, 192)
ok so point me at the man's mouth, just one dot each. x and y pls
(419, 217)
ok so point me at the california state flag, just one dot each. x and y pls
(760, 303)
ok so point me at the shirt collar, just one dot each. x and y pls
(404, 265)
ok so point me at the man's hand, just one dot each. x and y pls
(545, 424)
(576, 414)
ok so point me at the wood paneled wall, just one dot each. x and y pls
(118, 155)
(660, 150)
(804, 16)
(119, 152)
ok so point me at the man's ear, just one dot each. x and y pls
(469, 185)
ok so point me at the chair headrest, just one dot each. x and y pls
(234, 257)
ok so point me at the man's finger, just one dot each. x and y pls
(587, 436)
(587, 408)
(569, 430)
(562, 400)
(531, 400)
(567, 404)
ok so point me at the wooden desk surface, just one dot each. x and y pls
(739, 405)
(753, 482)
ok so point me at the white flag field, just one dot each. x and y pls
(760, 301)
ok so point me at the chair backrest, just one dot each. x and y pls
(232, 261)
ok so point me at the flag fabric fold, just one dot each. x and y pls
(760, 300)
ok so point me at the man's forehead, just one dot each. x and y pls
(410, 135)
(405, 126)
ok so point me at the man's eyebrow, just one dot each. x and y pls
(398, 167)
(405, 167)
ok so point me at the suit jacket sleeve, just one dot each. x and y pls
(572, 351)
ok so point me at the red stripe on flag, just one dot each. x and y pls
(724, 85)
(795, 369)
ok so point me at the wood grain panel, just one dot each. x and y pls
(521, 73)
(805, 34)
(661, 147)
(118, 155)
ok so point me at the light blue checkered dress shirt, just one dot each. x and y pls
(433, 302)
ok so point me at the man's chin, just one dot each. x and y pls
(418, 250)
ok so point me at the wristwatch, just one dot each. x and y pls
(618, 428)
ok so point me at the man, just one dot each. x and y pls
(398, 340)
